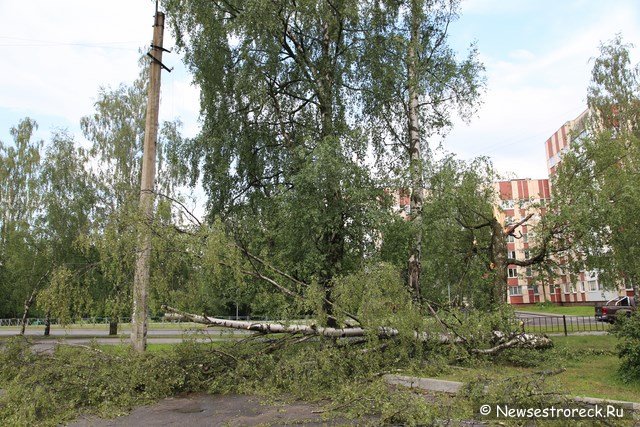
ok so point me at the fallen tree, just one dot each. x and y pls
(277, 328)
(501, 341)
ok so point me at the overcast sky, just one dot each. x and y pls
(57, 53)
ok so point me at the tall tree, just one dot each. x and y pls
(596, 189)
(460, 193)
(278, 141)
(20, 271)
(65, 218)
(116, 131)
(413, 85)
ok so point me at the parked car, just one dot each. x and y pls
(621, 306)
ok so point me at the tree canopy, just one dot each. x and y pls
(596, 188)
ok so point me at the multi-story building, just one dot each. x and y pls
(519, 198)
(584, 286)
(560, 142)
(401, 202)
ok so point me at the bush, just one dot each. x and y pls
(627, 329)
(48, 389)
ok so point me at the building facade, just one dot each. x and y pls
(584, 286)
(518, 198)
(560, 142)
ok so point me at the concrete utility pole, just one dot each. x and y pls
(141, 278)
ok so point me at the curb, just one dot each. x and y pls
(453, 387)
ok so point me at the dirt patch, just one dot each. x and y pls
(220, 410)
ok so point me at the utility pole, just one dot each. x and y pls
(141, 278)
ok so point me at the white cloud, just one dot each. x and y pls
(521, 55)
(57, 54)
(535, 89)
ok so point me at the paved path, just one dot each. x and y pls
(84, 336)
(219, 410)
(534, 314)
(124, 332)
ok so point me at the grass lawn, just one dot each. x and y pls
(590, 364)
(577, 310)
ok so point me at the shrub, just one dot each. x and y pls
(47, 389)
(627, 329)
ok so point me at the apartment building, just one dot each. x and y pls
(560, 142)
(519, 198)
(584, 286)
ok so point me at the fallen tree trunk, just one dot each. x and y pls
(276, 328)
(521, 340)
(501, 342)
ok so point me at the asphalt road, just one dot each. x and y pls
(84, 336)
(104, 332)
(219, 410)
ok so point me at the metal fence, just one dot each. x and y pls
(563, 324)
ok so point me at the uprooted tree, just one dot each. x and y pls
(499, 340)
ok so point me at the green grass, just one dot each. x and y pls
(577, 310)
(586, 342)
(590, 364)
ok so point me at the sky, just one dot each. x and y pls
(57, 54)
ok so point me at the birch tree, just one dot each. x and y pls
(413, 85)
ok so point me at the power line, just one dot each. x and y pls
(510, 141)
(27, 42)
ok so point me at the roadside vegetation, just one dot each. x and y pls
(582, 366)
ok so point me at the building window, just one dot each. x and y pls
(511, 254)
(529, 272)
(525, 238)
(527, 254)
(512, 272)
(552, 289)
(593, 285)
(510, 238)
(567, 288)
(507, 204)
(582, 287)
(534, 288)
(515, 290)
